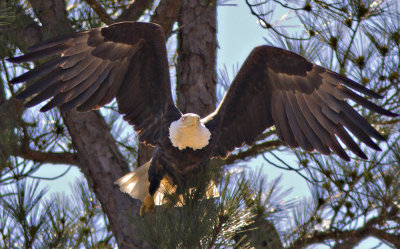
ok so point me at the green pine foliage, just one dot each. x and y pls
(30, 219)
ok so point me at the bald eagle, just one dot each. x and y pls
(128, 61)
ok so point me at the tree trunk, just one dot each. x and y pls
(197, 51)
(102, 164)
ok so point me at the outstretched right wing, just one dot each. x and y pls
(306, 103)
(125, 60)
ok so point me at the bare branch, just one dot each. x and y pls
(350, 243)
(351, 237)
(10, 113)
(100, 11)
(166, 14)
(253, 151)
(135, 10)
(47, 157)
(391, 238)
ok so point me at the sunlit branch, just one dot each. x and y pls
(100, 11)
(135, 10)
(166, 14)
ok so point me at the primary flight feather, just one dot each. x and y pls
(128, 61)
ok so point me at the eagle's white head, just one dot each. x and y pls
(189, 131)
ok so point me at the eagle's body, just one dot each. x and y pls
(127, 61)
(186, 150)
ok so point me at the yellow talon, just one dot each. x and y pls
(147, 205)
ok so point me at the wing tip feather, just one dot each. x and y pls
(47, 107)
(14, 59)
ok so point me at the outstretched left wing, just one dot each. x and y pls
(125, 60)
(306, 103)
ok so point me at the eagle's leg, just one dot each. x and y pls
(155, 178)
(147, 204)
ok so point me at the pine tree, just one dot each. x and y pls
(350, 201)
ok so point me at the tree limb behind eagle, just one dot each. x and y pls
(128, 61)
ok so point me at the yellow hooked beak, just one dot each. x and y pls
(196, 121)
(190, 121)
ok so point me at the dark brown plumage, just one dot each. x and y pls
(305, 102)
(128, 61)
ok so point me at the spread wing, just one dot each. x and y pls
(88, 69)
(306, 103)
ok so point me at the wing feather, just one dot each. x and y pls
(95, 101)
(80, 69)
(308, 132)
(284, 126)
(306, 103)
(93, 67)
(63, 39)
(329, 126)
(73, 60)
(294, 125)
(40, 84)
(314, 125)
(92, 79)
(39, 71)
(79, 47)
(45, 94)
(37, 55)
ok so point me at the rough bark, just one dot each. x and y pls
(197, 49)
(53, 16)
(102, 163)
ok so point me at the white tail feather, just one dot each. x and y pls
(136, 183)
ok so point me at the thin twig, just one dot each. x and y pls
(269, 26)
(254, 151)
(52, 178)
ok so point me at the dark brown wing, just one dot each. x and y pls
(305, 102)
(88, 69)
